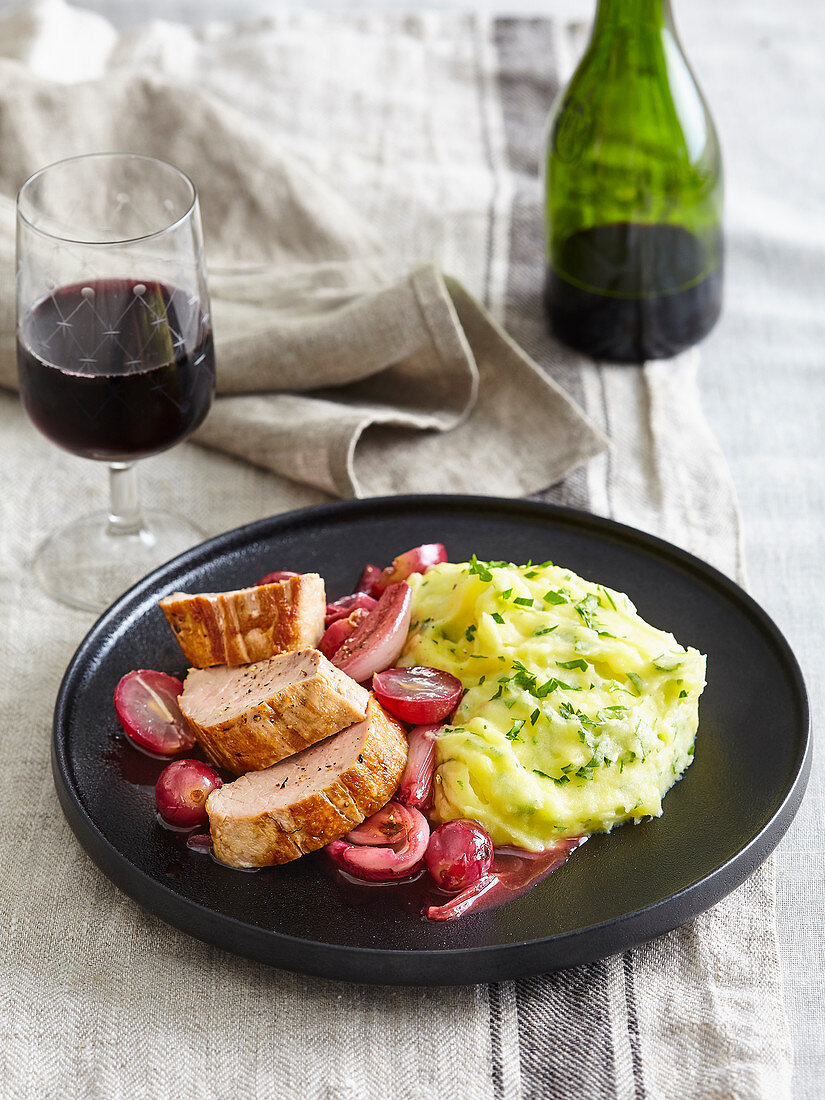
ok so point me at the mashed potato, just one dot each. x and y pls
(576, 716)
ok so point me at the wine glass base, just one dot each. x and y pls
(87, 566)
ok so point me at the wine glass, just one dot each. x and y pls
(114, 350)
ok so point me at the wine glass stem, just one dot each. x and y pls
(124, 500)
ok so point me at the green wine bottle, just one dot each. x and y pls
(633, 180)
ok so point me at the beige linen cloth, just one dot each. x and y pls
(316, 342)
(428, 126)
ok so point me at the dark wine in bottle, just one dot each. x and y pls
(633, 181)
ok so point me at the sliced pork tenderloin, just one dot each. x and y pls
(250, 717)
(301, 804)
(251, 624)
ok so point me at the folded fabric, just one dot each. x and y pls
(335, 368)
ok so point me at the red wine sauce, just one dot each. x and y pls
(511, 876)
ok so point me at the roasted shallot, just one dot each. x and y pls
(418, 560)
(340, 609)
(416, 786)
(378, 641)
(338, 631)
(383, 863)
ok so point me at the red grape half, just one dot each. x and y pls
(419, 695)
(147, 706)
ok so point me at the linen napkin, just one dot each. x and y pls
(336, 368)
(430, 124)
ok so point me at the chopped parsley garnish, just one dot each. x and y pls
(683, 695)
(507, 594)
(523, 601)
(524, 679)
(552, 685)
(544, 775)
(499, 693)
(637, 682)
(545, 630)
(498, 618)
(667, 662)
(513, 733)
(470, 632)
(585, 609)
(567, 710)
(578, 663)
(556, 596)
(531, 576)
(608, 597)
(607, 713)
(561, 779)
(534, 717)
(479, 569)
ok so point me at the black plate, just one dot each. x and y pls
(725, 817)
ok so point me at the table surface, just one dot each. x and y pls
(763, 382)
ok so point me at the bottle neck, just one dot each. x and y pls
(645, 15)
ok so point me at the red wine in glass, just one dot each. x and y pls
(116, 369)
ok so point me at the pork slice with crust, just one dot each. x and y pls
(301, 804)
(248, 718)
(237, 628)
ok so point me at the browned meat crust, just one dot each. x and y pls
(237, 628)
(303, 803)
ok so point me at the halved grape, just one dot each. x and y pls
(182, 790)
(419, 695)
(459, 854)
(146, 702)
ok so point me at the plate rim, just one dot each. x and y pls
(376, 965)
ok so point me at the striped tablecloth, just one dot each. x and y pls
(430, 125)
